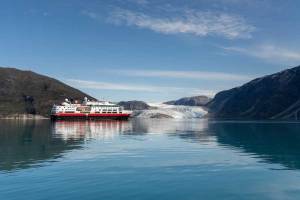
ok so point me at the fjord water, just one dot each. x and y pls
(149, 159)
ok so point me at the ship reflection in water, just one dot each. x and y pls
(25, 144)
(28, 143)
(74, 130)
(136, 159)
(110, 129)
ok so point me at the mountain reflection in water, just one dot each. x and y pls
(25, 144)
(269, 141)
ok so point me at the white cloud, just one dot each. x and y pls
(138, 88)
(139, 2)
(200, 75)
(190, 22)
(270, 53)
(110, 86)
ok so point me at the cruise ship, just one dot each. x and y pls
(88, 110)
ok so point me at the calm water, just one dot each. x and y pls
(151, 159)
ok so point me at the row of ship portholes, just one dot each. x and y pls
(88, 110)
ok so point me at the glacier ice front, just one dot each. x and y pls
(171, 111)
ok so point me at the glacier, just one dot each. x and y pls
(160, 110)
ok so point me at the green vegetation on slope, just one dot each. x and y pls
(25, 92)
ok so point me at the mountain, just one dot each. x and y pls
(134, 105)
(190, 101)
(275, 96)
(26, 92)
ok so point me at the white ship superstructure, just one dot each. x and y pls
(88, 110)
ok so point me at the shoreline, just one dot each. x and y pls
(24, 117)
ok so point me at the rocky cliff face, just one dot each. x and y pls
(134, 105)
(190, 101)
(276, 96)
(25, 92)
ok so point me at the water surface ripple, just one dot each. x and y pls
(148, 159)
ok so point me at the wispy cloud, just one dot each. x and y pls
(200, 75)
(194, 22)
(270, 53)
(139, 2)
(138, 88)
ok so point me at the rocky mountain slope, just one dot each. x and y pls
(275, 96)
(25, 92)
(134, 105)
(190, 101)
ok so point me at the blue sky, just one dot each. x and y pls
(150, 50)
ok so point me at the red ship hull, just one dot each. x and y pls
(90, 116)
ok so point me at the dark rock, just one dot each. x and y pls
(160, 116)
(190, 101)
(134, 105)
(25, 92)
(276, 96)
